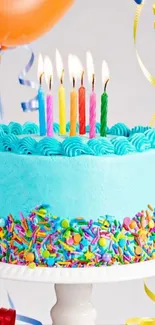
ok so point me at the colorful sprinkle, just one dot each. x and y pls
(132, 224)
(102, 242)
(64, 223)
(44, 240)
(29, 257)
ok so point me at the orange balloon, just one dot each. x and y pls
(3, 48)
(23, 21)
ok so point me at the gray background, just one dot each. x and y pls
(105, 28)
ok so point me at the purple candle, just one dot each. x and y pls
(49, 100)
(49, 108)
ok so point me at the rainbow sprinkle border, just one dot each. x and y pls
(42, 239)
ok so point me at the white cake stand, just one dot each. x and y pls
(73, 287)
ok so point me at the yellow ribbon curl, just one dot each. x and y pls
(143, 321)
(146, 73)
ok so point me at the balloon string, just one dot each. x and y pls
(22, 318)
(31, 105)
(146, 73)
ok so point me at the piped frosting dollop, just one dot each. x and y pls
(120, 129)
(121, 141)
(101, 146)
(122, 146)
(140, 141)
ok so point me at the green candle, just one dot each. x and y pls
(104, 100)
(104, 111)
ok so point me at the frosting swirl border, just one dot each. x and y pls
(124, 141)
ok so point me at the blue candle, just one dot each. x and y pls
(41, 97)
(41, 105)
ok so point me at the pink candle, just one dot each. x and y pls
(49, 107)
(92, 115)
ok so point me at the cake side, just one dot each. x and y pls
(84, 186)
(76, 202)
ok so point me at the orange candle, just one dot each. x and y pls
(73, 110)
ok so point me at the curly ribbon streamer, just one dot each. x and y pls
(146, 73)
(143, 321)
(138, 2)
(31, 105)
(152, 122)
(22, 318)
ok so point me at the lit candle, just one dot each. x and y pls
(82, 106)
(41, 98)
(61, 94)
(49, 100)
(104, 100)
(92, 99)
(72, 61)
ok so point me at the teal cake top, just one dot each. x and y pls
(121, 140)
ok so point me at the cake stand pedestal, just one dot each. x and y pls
(73, 305)
(73, 286)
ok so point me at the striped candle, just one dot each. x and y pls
(49, 111)
(92, 115)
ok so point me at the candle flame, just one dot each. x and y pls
(105, 72)
(73, 66)
(90, 67)
(40, 66)
(48, 69)
(80, 69)
(59, 65)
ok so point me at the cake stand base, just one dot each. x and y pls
(73, 305)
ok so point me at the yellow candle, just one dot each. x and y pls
(62, 109)
(73, 112)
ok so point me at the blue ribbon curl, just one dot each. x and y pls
(31, 105)
(22, 318)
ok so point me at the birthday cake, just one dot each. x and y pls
(75, 201)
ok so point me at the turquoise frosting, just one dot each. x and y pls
(126, 141)
(8, 143)
(26, 146)
(140, 141)
(5, 128)
(106, 176)
(150, 135)
(101, 146)
(74, 146)
(49, 147)
(86, 186)
(120, 129)
(122, 146)
(30, 128)
(56, 127)
(17, 129)
(139, 129)
(97, 128)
